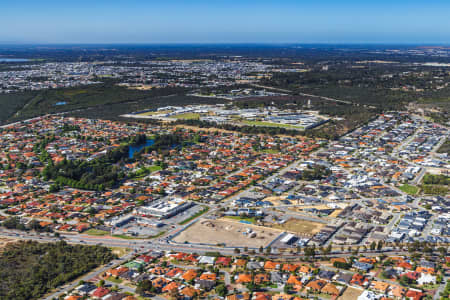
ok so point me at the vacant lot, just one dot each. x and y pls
(300, 227)
(276, 200)
(350, 294)
(4, 242)
(228, 232)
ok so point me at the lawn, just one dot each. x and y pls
(430, 286)
(239, 218)
(127, 237)
(115, 280)
(409, 189)
(271, 151)
(187, 116)
(270, 124)
(73, 92)
(141, 173)
(96, 232)
(155, 168)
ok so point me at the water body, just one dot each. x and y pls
(134, 149)
(2, 59)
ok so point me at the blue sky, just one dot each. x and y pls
(218, 21)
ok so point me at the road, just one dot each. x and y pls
(302, 94)
(441, 288)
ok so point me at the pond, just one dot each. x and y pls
(133, 149)
(3, 59)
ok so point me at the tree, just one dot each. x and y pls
(327, 250)
(54, 188)
(373, 245)
(251, 286)
(237, 251)
(380, 245)
(261, 249)
(342, 265)
(405, 280)
(221, 290)
(310, 252)
(144, 286)
(442, 251)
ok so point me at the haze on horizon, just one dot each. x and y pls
(219, 21)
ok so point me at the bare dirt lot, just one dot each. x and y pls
(229, 232)
(275, 200)
(300, 227)
(5, 241)
(350, 294)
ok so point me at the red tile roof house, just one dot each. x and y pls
(100, 292)
(244, 278)
(414, 294)
(412, 275)
(290, 267)
(189, 275)
(175, 272)
(223, 261)
(261, 278)
(117, 271)
(360, 280)
(316, 285)
(159, 283)
(170, 287)
(405, 265)
(270, 265)
(145, 258)
(208, 276)
(179, 256)
(261, 296)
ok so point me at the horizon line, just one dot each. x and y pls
(223, 43)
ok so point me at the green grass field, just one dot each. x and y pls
(270, 124)
(115, 280)
(96, 232)
(187, 116)
(239, 218)
(271, 151)
(409, 189)
(155, 168)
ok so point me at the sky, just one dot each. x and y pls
(219, 21)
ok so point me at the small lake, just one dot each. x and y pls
(3, 59)
(133, 149)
